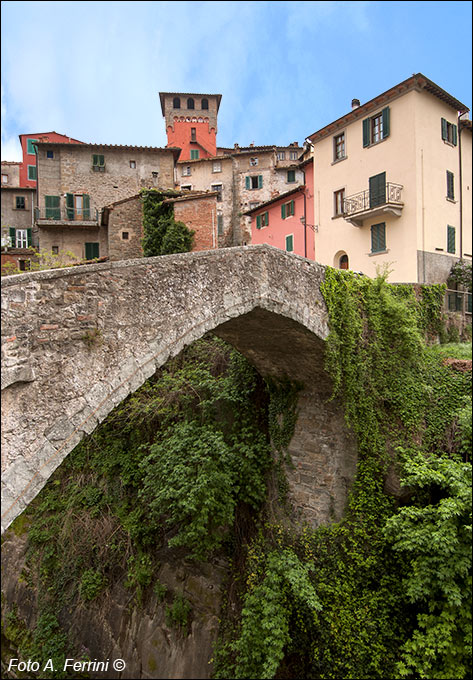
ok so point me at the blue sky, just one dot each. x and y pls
(93, 70)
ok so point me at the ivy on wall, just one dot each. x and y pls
(162, 234)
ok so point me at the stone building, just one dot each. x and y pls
(76, 182)
(16, 218)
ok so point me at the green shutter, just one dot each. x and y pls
(260, 181)
(266, 219)
(454, 135)
(258, 221)
(247, 182)
(291, 175)
(86, 206)
(32, 172)
(444, 129)
(450, 239)
(91, 251)
(283, 211)
(29, 237)
(53, 211)
(291, 211)
(289, 243)
(378, 237)
(377, 186)
(70, 206)
(450, 185)
(13, 237)
(385, 113)
(31, 149)
(366, 132)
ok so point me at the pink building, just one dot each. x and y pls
(287, 220)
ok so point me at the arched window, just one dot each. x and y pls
(190, 103)
(176, 103)
(205, 103)
(343, 262)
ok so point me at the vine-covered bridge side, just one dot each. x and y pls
(76, 342)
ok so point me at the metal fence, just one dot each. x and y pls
(457, 301)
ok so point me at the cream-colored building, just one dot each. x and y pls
(392, 184)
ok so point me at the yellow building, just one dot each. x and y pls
(392, 184)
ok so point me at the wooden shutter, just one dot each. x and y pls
(283, 211)
(377, 185)
(258, 221)
(266, 219)
(444, 129)
(51, 204)
(247, 182)
(29, 237)
(291, 210)
(13, 237)
(378, 237)
(366, 132)
(86, 206)
(91, 251)
(260, 181)
(454, 135)
(70, 206)
(450, 239)
(450, 185)
(289, 243)
(385, 114)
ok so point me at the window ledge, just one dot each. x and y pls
(337, 217)
(371, 144)
(339, 160)
(451, 200)
(449, 143)
(378, 252)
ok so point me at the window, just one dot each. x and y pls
(193, 135)
(377, 186)
(291, 175)
(450, 239)
(190, 103)
(219, 224)
(186, 170)
(91, 251)
(378, 238)
(339, 147)
(30, 148)
(218, 188)
(186, 187)
(205, 104)
(339, 202)
(125, 235)
(254, 181)
(290, 243)
(262, 220)
(78, 207)
(194, 154)
(20, 203)
(133, 164)
(24, 265)
(20, 238)
(343, 262)
(98, 163)
(376, 128)
(176, 103)
(287, 210)
(253, 161)
(32, 172)
(449, 132)
(281, 155)
(55, 250)
(293, 155)
(49, 153)
(450, 185)
(154, 174)
(216, 166)
(4, 179)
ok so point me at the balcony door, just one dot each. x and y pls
(377, 190)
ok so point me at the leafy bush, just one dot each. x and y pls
(91, 584)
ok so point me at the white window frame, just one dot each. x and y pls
(21, 238)
(217, 166)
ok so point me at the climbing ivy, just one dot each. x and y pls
(162, 234)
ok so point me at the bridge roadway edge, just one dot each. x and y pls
(57, 386)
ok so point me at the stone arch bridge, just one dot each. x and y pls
(77, 341)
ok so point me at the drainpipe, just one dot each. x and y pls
(37, 198)
(461, 184)
(305, 216)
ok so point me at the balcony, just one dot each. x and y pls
(369, 204)
(71, 217)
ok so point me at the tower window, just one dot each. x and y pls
(176, 103)
(193, 135)
(205, 104)
(190, 103)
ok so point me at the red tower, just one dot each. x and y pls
(28, 165)
(191, 123)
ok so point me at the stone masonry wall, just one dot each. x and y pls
(200, 215)
(125, 230)
(76, 342)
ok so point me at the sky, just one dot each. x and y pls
(94, 70)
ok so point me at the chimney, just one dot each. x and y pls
(355, 103)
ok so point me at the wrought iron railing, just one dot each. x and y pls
(458, 301)
(365, 200)
(67, 214)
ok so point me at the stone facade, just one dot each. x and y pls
(76, 342)
(70, 175)
(199, 213)
(125, 228)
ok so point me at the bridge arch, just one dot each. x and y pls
(76, 342)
